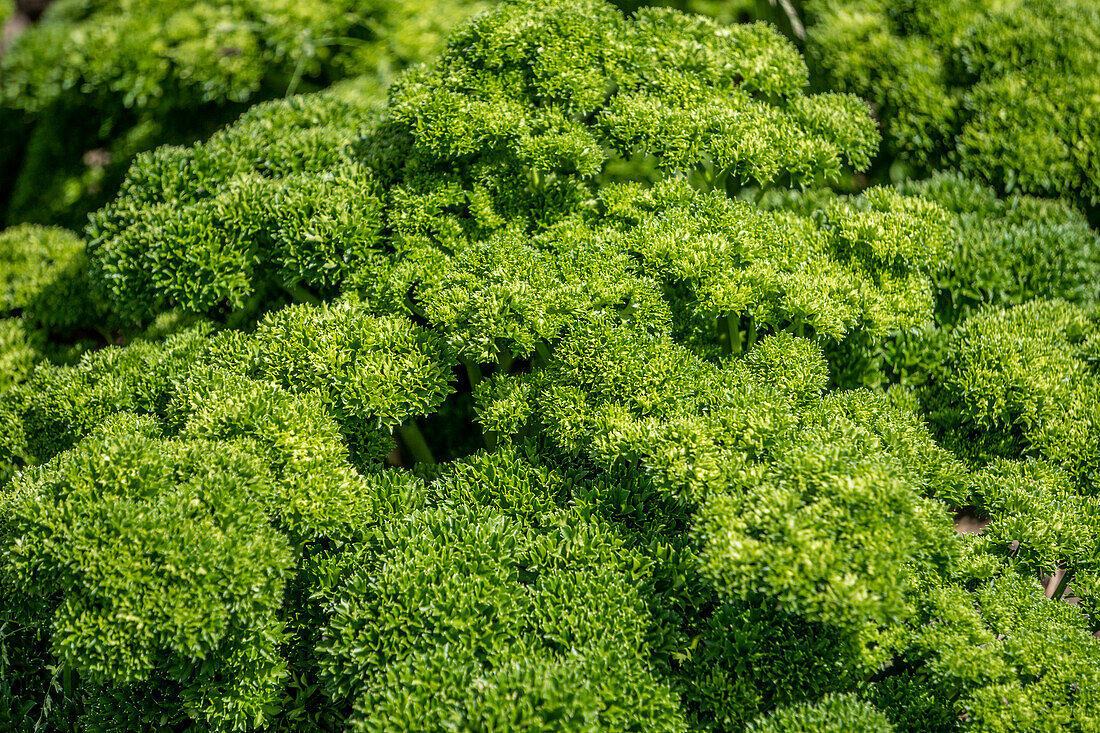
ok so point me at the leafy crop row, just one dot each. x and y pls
(580, 382)
(97, 81)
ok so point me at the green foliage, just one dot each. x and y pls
(186, 595)
(49, 311)
(18, 353)
(504, 136)
(213, 240)
(727, 273)
(1004, 91)
(748, 658)
(44, 279)
(1002, 657)
(373, 373)
(340, 357)
(510, 403)
(268, 205)
(861, 265)
(1003, 252)
(831, 713)
(467, 619)
(196, 451)
(96, 82)
(1011, 250)
(1040, 525)
(1023, 382)
(514, 293)
(529, 103)
(318, 493)
(789, 507)
(59, 405)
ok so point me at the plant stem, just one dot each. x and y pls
(301, 295)
(69, 686)
(414, 308)
(797, 28)
(414, 441)
(473, 373)
(504, 361)
(733, 329)
(1056, 588)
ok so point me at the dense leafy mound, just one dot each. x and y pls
(1004, 91)
(1003, 252)
(1011, 250)
(511, 403)
(1023, 381)
(276, 189)
(96, 82)
(529, 158)
(47, 310)
(44, 280)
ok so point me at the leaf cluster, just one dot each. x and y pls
(1003, 92)
(95, 82)
(526, 399)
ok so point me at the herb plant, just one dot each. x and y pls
(572, 386)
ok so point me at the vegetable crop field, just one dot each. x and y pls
(550, 365)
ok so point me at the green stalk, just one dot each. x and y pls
(296, 77)
(504, 361)
(68, 684)
(414, 308)
(778, 11)
(301, 295)
(733, 330)
(473, 372)
(414, 441)
(764, 10)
